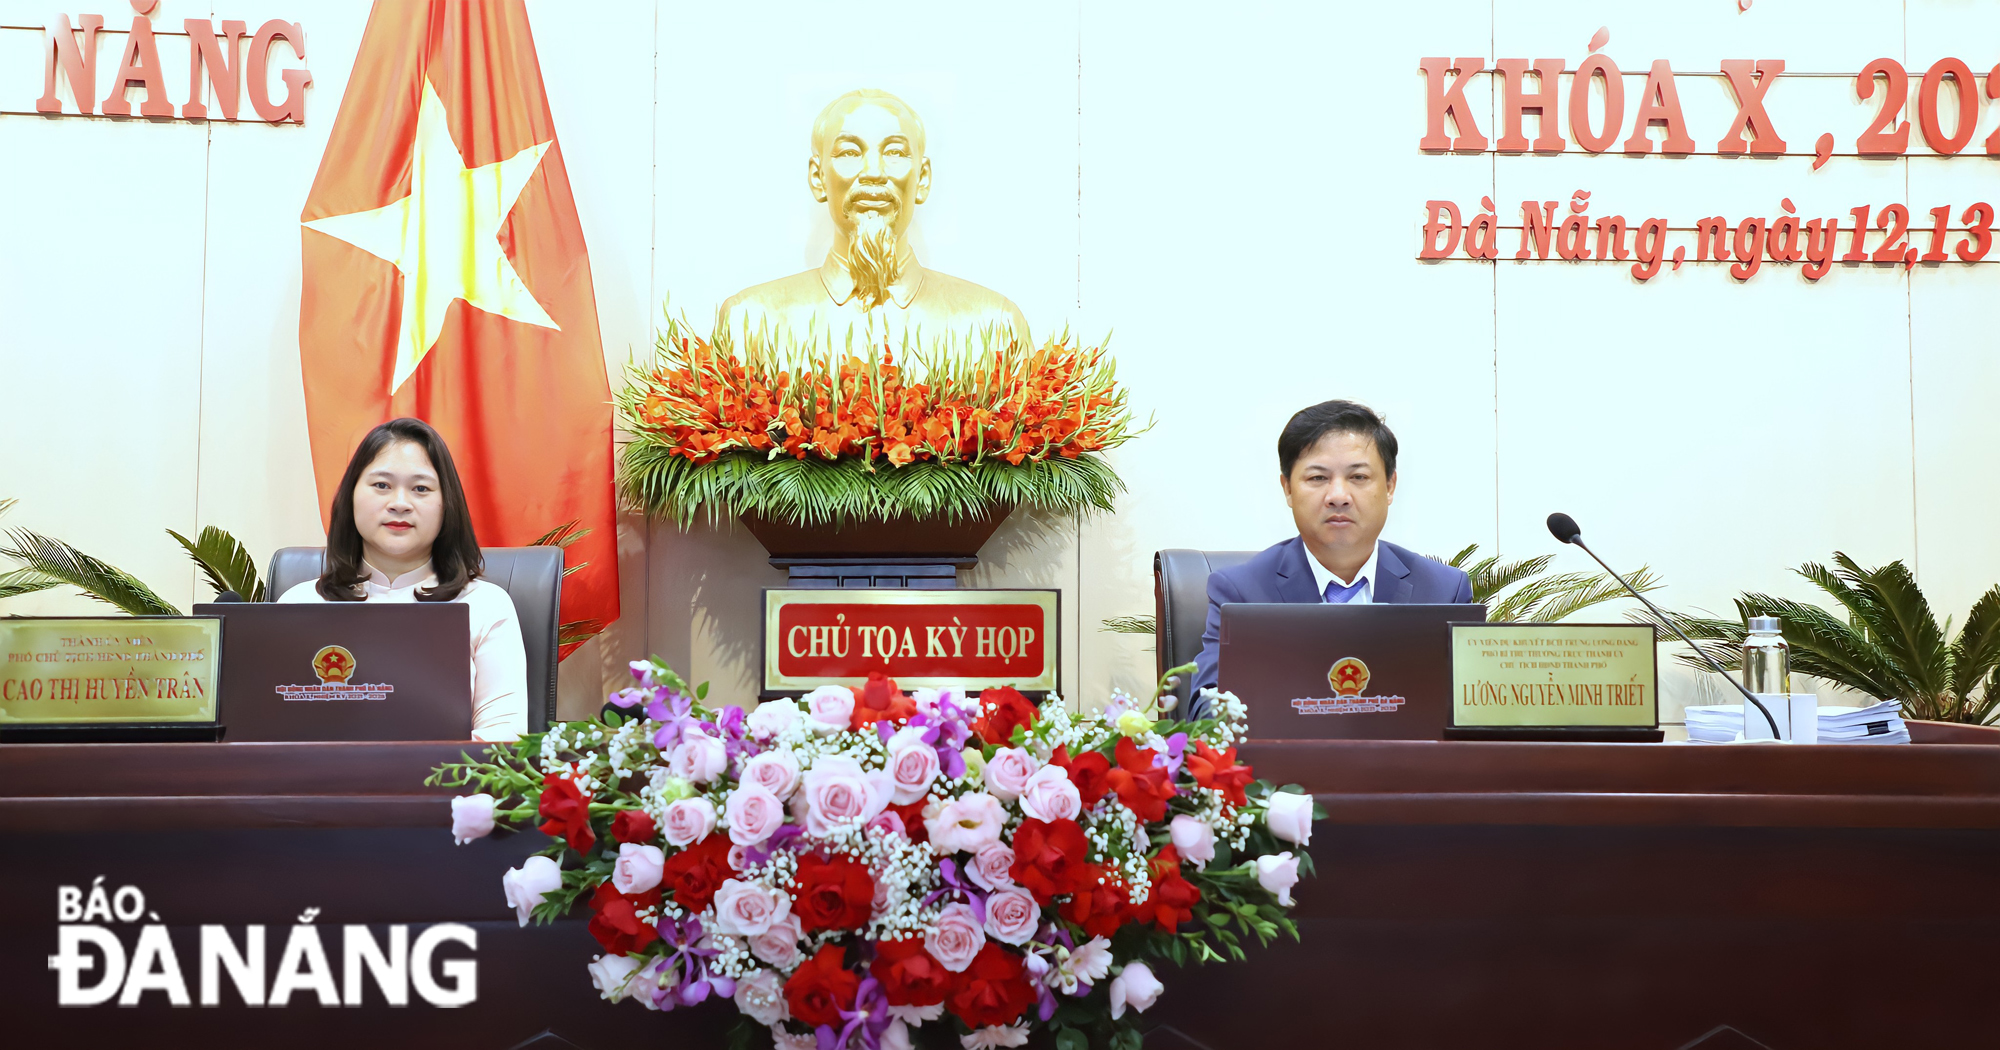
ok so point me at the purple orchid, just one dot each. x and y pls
(1172, 757)
(780, 839)
(956, 882)
(869, 1019)
(673, 712)
(693, 983)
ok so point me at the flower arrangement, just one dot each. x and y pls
(812, 436)
(880, 870)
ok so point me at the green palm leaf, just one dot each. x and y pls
(100, 580)
(1978, 645)
(25, 581)
(225, 565)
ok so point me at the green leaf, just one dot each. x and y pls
(225, 565)
(100, 580)
(1070, 1039)
(25, 581)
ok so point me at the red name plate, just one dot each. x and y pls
(972, 639)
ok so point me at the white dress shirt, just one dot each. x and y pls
(1366, 577)
(499, 659)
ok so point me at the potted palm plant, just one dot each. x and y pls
(1884, 641)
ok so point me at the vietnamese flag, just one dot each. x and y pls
(445, 277)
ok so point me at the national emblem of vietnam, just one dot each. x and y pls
(1348, 676)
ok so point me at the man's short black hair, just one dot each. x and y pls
(1334, 417)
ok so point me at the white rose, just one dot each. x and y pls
(776, 771)
(771, 718)
(610, 973)
(1291, 817)
(1136, 987)
(698, 758)
(471, 817)
(1279, 873)
(537, 877)
(1193, 839)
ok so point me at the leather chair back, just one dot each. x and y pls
(1180, 606)
(531, 576)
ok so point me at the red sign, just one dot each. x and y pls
(972, 639)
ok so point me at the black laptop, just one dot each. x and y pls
(1341, 672)
(345, 671)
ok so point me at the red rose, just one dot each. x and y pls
(909, 975)
(566, 813)
(616, 923)
(1005, 708)
(1086, 771)
(635, 826)
(1218, 770)
(835, 894)
(1049, 858)
(1142, 786)
(1099, 908)
(821, 987)
(994, 990)
(880, 700)
(695, 873)
(913, 820)
(1173, 898)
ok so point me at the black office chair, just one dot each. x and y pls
(531, 576)
(1180, 606)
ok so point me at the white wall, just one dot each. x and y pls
(1235, 190)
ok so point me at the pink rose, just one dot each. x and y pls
(970, 824)
(1012, 915)
(914, 766)
(698, 758)
(746, 909)
(779, 944)
(1291, 817)
(957, 939)
(471, 817)
(1050, 796)
(775, 771)
(1008, 772)
(1193, 839)
(761, 997)
(753, 814)
(889, 823)
(638, 868)
(1136, 987)
(771, 718)
(831, 708)
(992, 867)
(689, 821)
(537, 877)
(838, 791)
(1279, 873)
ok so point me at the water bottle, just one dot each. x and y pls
(1767, 660)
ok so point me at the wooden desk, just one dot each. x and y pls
(1594, 896)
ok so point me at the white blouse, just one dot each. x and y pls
(499, 659)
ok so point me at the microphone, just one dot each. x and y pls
(1565, 529)
(228, 596)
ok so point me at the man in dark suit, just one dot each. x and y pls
(1337, 466)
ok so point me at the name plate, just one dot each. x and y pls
(971, 639)
(108, 671)
(1553, 676)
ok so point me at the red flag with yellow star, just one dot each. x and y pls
(445, 277)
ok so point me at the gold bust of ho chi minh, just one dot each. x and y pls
(868, 167)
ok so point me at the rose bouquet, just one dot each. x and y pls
(884, 870)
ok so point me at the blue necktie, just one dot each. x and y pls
(1338, 595)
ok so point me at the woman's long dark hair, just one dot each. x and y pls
(455, 555)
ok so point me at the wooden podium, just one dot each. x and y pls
(1470, 895)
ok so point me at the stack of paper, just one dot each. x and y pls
(1880, 723)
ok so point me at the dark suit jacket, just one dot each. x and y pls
(1280, 574)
